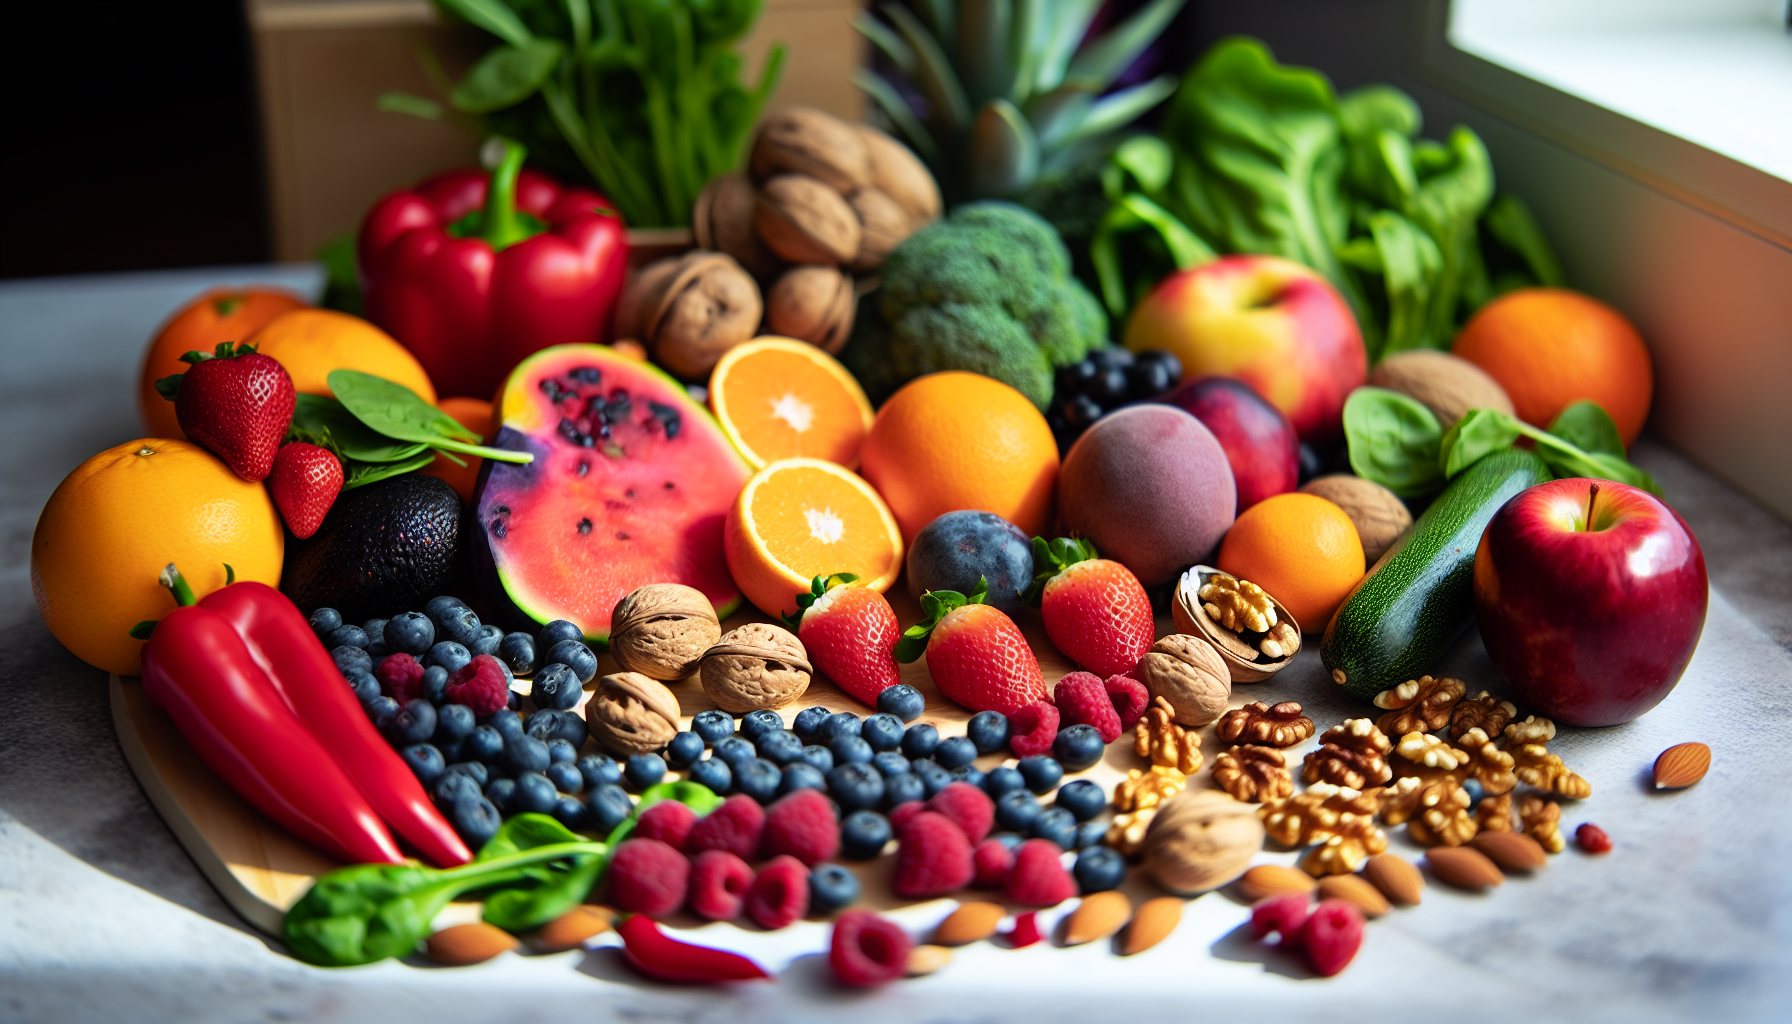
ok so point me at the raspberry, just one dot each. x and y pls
(734, 826)
(1283, 914)
(668, 821)
(1038, 878)
(902, 812)
(1033, 729)
(1025, 932)
(993, 861)
(803, 826)
(1082, 699)
(780, 893)
(480, 685)
(401, 678)
(648, 877)
(868, 950)
(1592, 838)
(719, 884)
(1129, 697)
(968, 807)
(1332, 935)
(933, 858)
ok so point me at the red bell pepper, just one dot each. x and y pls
(472, 278)
(282, 643)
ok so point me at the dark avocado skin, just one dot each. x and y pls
(1402, 616)
(384, 548)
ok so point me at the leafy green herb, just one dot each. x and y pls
(360, 474)
(390, 408)
(1586, 426)
(329, 424)
(1393, 441)
(1478, 433)
(544, 890)
(1483, 431)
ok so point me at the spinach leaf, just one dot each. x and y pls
(325, 418)
(1478, 433)
(1393, 441)
(1565, 459)
(360, 474)
(394, 410)
(542, 891)
(1586, 426)
(1482, 431)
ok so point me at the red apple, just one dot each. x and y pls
(1278, 326)
(1259, 441)
(1591, 596)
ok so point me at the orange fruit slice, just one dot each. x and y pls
(779, 398)
(1301, 548)
(801, 518)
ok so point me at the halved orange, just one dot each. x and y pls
(801, 518)
(779, 398)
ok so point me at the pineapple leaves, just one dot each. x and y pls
(934, 74)
(890, 102)
(985, 29)
(1098, 64)
(1004, 150)
(887, 40)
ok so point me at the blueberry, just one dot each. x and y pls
(414, 723)
(758, 723)
(1082, 798)
(460, 625)
(968, 773)
(882, 731)
(598, 770)
(842, 723)
(565, 777)
(452, 786)
(525, 754)
(347, 636)
(534, 794)
(324, 621)
(562, 752)
(807, 725)
(890, 763)
(1148, 379)
(955, 751)
(475, 819)
(801, 775)
(685, 748)
(571, 813)
(850, 750)
(574, 655)
(471, 769)
(954, 550)
(1011, 840)
(382, 710)
(1002, 780)
(351, 659)
(453, 722)
(376, 637)
(932, 775)
(713, 773)
(549, 725)
(435, 685)
(518, 651)
(1473, 788)
(735, 752)
(831, 888)
(506, 722)
(500, 792)
(643, 770)
(920, 740)
(864, 834)
(449, 655)
(1041, 772)
(758, 779)
(819, 756)
(366, 687)
(903, 701)
(1058, 825)
(424, 761)
(608, 807)
(1098, 869)
(483, 744)
(557, 687)
(713, 726)
(556, 631)
(780, 747)
(1017, 811)
(988, 730)
(1091, 833)
(487, 640)
(856, 786)
(410, 633)
(439, 608)
(1078, 747)
(900, 789)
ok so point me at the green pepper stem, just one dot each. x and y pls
(502, 228)
(177, 585)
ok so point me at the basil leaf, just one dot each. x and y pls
(393, 409)
(360, 474)
(506, 76)
(1480, 432)
(1566, 460)
(1393, 441)
(325, 417)
(1586, 426)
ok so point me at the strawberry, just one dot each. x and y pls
(850, 633)
(305, 483)
(1095, 610)
(235, 403)
(977, 654)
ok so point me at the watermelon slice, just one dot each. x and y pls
(630, 485)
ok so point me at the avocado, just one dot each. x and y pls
(384, 548)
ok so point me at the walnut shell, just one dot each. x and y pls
(899, 174)
(631, 714)
(884, 225)
(1446, 384)
(1379, 514)
(812, 303)
(689, 310)
(1200, 840)
(662, 629)
(802, 140)
(1245, 661)
(756, 667)
(722, 220)
(804, 221)
(1186, 671)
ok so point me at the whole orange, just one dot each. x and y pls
(1551, 347)
(215, 316)
(956, 440)
(112, 524)
(312, 342)
(476, 415)
(1301, 548)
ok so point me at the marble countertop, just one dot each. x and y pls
(103, 916)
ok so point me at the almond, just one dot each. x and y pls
(1512, 851)
(1681, 765)
(572, 928)
(1266, 880)
(1396, 877)
(1354, 889)
(466, 944)
(1153, 923)
(972, 922)
(927, 959)
(1463, 867)
(1099, 916)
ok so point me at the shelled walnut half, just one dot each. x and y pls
(1536, 766)
(1253, 774)
(1159, 739)
(1280, 726)
(1542, 821)
(1423, 705)
(1353, 754)
(1482, 711)
(1435, 813)
(1253, 632)
(1317, 814)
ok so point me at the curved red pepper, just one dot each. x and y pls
(196, 668)
(473, 307)
(662, 957)
(284, 646)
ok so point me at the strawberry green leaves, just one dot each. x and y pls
(935, 605)
(817, 587)
(1051, 558)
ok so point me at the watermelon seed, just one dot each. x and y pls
(584, 467)
(584, 527)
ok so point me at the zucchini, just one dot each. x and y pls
(1404, 614)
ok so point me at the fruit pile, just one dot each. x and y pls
(1103, 381)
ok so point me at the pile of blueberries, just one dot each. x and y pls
(1103, 381)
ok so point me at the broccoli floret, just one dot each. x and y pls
(978, 338)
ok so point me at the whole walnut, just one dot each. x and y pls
(812, 303)
(722, 220)
(690, 310)
(802, 140)
(1448, 385)
(662, 629)
(883, 225)
(804, 221)
(1201, 840)
(1186, 671)
(631, 714)
(756, 667)
(1378, 513)
(899, 174)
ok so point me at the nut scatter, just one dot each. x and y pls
(1353, 755)
(1536, 766)
(1280, 726)
(1482, 711)
(1351, 843)
(1160, 740)
(1143, 790)
(1315, 815)
(1435, 813)
(1253, 774)
(1542, 821)
(1424, 704)
(1494, 813)
(1487, 763)
(1428, 751)
(1531, 730)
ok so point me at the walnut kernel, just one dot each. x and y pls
(1253, 774)
(1239, 605)
(1280, 726)
(1315, 815)
(1158, 738)
(1482, 712)
(1532, 730)
(1536, 766)
(1353, 842)
(1542, 821)
(1487, 763)
(1494, 813)
(1434, 812)
(1143, 790)
(1127, 833)
(1422, 705)
(1430, 752)
(1353, 754)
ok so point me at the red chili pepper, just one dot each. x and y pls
(284, 646)
(472, 280)
(198, 669)
(1026, 930)
(662, 957)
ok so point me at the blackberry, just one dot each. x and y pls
(1105, 380)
